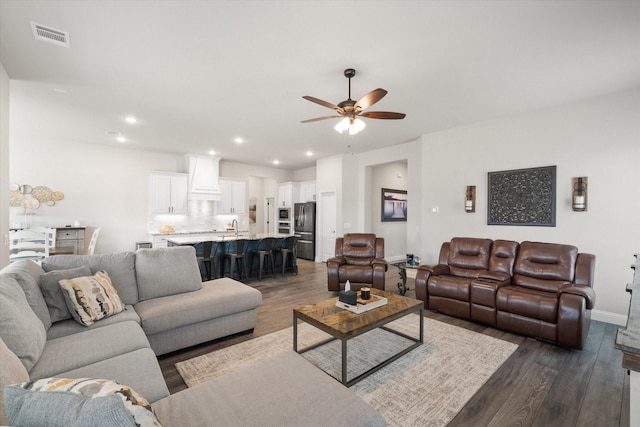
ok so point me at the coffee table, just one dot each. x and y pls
(343, 325)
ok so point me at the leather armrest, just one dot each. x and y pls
(379, 262)
(435, 270)
(584, 291)
(339, 260)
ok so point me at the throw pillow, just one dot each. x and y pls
(91, 298)
(49, 398)
(53, 294)
(11, 371)
(20, 328)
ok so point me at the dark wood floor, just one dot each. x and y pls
(539, 385)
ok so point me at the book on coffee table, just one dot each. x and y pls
(363, 304)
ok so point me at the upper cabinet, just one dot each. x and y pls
(307, 191)
(234, 196)
(168, 192)
(288, 194)
(203, 177)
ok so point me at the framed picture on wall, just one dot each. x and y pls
(523, 197)
(394, 205)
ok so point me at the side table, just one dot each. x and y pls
(405, 270)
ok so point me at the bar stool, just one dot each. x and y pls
(234, 253)
(287, 248)
(204, 256)
(264, 250)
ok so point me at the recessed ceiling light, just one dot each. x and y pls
(238, 140)
(309, 153)
(131, 120)
(276, 162)
(212, 152)
(121, 139)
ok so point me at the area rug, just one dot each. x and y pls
(426, 387)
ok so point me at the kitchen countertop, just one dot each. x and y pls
(225, 237)
(181, 233)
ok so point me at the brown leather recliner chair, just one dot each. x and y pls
(359, 259)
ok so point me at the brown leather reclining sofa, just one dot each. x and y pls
(541, 290)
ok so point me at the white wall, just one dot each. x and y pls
(103, 186)
(4, 166)
(598, 138)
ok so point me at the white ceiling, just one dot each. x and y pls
(197, 74)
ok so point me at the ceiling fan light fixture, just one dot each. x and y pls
(342, 125)
(356, 126)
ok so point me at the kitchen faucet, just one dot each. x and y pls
(234, 224)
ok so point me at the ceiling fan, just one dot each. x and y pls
(351, 109)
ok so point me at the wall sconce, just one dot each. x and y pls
(579, 197)
(470, 199)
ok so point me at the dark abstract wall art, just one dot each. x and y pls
(522, 197)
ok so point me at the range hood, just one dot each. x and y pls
(203, 177)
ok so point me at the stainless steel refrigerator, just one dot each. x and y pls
(304, 226)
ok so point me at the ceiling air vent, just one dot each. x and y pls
(50, 35)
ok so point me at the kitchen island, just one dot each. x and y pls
(220, 243)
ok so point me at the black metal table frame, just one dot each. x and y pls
(416, 342)
(402, 267)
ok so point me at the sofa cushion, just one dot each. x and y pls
(91, 298)
(544, 266)
(20, 328)
(217, 298)
(77, 350)
(28, 408)
(27, 273)
(51, 394)
(255, 396)
(139, 369)
(167, 271)
(12, 371)
(71, 326)
(119, 266)
(52, 292)
(449, 287)
(528, 303)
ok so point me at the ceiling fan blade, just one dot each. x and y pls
(387, 115)
(323, 103)
(319, 118)
(370, 99)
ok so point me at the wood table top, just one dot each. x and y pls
(342, 323)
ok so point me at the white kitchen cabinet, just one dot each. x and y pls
(288, 194)
(234, 196)
(168, 192)
(307, 191)
(203, 177)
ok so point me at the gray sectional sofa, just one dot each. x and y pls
(166, 308)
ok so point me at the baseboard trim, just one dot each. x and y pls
(608, 317)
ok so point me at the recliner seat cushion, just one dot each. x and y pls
(356, 273)
(528, 302)
(449, 287)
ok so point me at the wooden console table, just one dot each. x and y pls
(628, 341)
